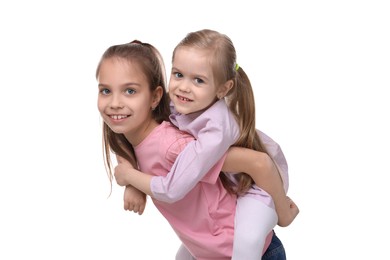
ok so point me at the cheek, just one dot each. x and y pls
(209, 95)
(100, 105)
(170, 86)
(142, 104)
(170, 94)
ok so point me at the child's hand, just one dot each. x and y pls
(289, 214)
(121, 171)
(134, 200)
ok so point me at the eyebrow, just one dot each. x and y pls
(102, 85)
(195, 75)
(123, 85)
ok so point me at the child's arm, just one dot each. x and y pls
(266, 175)
(137, 179)
(276, 153)
(258, 165)
(134, 200)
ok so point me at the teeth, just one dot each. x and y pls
(117, 117)
(184, 99)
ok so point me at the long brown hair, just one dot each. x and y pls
(151, 63)
(240, 98)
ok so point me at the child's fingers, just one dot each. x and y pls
(141, 209)
(135, 208)
(126, 206)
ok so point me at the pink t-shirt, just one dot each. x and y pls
(204, 218)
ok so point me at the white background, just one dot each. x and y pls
(320, 70)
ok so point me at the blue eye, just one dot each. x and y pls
(199, 81)
(130, 91)
(105, 91)
(178, 74)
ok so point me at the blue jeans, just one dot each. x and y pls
(275, 251)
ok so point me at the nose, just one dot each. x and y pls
(184, 87)
(116, 101)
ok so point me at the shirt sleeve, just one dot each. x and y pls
(202, 158)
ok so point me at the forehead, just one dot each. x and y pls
(193, 54)
(194, 60)
(120, 69)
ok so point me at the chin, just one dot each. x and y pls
(182, 111)
(116, 130)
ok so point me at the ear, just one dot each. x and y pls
(224, 89)
(157, 94)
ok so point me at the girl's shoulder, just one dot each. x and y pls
(168, 134)
(173, 139)
(169, 130)
(165, 142)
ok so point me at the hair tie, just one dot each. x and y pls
(237, 67)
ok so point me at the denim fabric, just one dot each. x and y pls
(275, 251)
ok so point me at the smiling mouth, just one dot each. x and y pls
(184, 99)
(118, 117)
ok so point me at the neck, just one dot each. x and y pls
(137, 136)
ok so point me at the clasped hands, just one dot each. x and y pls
(133, 199)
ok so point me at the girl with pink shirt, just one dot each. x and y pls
(134, 106)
